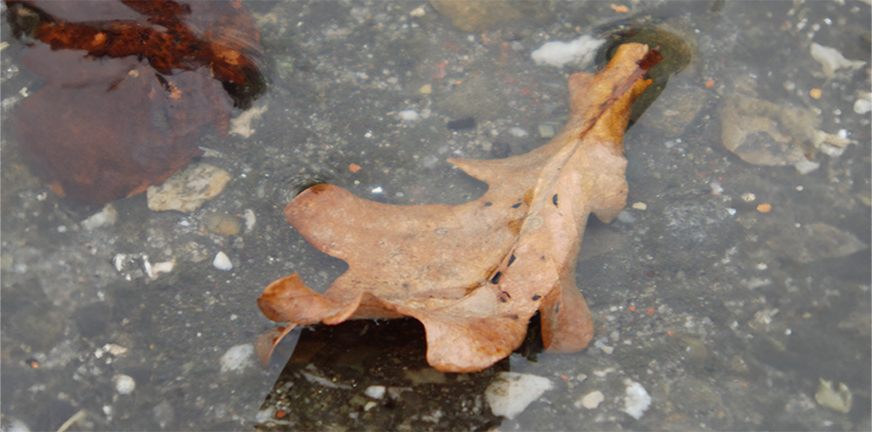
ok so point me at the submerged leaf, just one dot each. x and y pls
(475, 273)
(128, 87)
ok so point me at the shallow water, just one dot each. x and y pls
(728, 317)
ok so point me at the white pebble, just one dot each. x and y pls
(237, 358)
(640, 206)
(222, 262)
(418, 12)
(512, 392)
(518, 132)
(636, 399)
(806, 166)
(581, 51)
(16, 425)
(591, 400)
(862, 106)
(104, 217)
(375, 392)
(265, 414)
(250, 219)
(124, 384)
(716, 188)
(409, 115)
(377, 190)
(157, 269)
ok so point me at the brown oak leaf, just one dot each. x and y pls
(475, 273)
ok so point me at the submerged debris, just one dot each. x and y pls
(128, 87)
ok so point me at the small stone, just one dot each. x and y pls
(581, 51)
(105, 217)
(418, 12)
(512, 392)
(426, 89)
(237, 358)
(157, 269)
(862, 106)
(222, 262)
(591, 400)
(838, 399)
(223, 224)
(806, 166)
(764, 208)
(124, 384)
(546, 130)
(188, 189)
(607, 349)
(13, 424)
(375, 392)
(748, 197)
(815, 93)
(250, 219)
(409, 115)
(636, 399)
(518, 132)
(640, 206)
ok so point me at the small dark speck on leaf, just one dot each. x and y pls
(536, 297)
(463, 123)
(516, 205)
